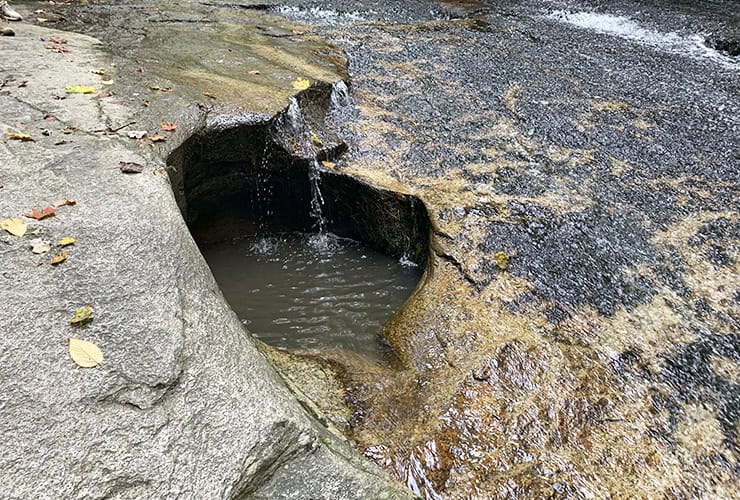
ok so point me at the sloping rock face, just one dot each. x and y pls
(183, 405)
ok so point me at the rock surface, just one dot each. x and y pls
(183, 404)
(576, 332)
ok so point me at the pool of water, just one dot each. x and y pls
(305, 291)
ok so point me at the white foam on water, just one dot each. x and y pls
(316, 13)
(406, 262)
(624, 27)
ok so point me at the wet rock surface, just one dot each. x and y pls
(576, 331)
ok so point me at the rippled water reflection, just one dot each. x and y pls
(301, 291)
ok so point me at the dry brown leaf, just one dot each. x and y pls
(41, 214)
(169, 126)
(84, 353)
(210, 95)
(59, 258)
(129, 167)
(64, 202)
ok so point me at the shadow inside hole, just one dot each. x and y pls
(248, 203)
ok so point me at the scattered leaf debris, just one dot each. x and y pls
(66, 241)
(136, 134)
(210, 95)
(41, 214)
(169, 126)
(79, 89)
(129, 167)
(82, 315)
(65, 202)
(84, 353)
(56, 48)
(20, 136)
(39, 246)
(59, 258)
(501, 260)
(301, 83)
(16, 227)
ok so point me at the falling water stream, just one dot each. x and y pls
(303, 291)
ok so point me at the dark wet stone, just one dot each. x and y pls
(579, 258)
(690, 373)
(731, 46)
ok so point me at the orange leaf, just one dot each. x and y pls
(168, 126)
(158, 138)
(41, 214)
(59, 258)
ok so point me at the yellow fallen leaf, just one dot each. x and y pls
(208, 94)
(328, 164)
(20, 136)
(66, 241)
(16, 227)
(301, 83)
(59, 258)
(84, 353)
(502, 260)
(79, 89)
(82, 315)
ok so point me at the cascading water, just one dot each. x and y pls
(340, 97)
(292, 125)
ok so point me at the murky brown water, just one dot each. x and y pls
(301, 291)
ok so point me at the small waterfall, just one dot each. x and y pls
(340, 97)
(292, 127)
(317, 200)
(263, 191)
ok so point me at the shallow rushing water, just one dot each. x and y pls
(301, 291)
